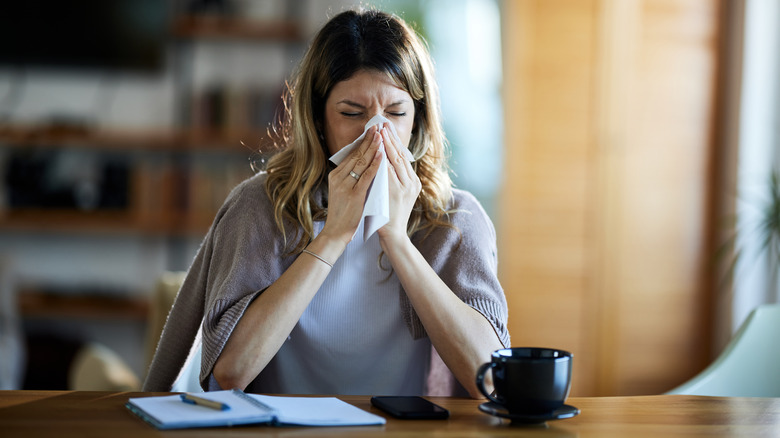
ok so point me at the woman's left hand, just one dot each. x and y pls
(405, 187)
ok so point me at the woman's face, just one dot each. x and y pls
(353, 102)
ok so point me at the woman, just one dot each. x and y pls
(291, 301)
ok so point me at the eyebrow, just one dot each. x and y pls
(357, 105)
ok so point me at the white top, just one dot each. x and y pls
(352, 338)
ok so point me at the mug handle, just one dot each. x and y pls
(481, 382)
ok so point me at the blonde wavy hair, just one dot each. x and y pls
(352, 41)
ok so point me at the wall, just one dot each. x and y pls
(606, 210)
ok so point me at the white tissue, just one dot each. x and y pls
(376, 209)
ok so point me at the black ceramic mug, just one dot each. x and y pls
(528, 380)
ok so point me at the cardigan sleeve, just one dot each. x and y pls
(181, 325)
(186, 314)
(245, 261)
(465, 258)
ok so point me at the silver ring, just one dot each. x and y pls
(354, 175)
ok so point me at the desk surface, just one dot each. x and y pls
(32, 414)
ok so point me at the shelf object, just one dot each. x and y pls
(123, 139)
(41, 304)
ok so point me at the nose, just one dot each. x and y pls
(374, 112)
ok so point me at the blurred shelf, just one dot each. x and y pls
(134, 139)
(35, 219)
(178, 177)
(42, 304)
(105, 222)
(222, 27)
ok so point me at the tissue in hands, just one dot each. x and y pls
(376, 208)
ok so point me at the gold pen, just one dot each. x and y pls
(193, 400)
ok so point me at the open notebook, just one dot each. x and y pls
(170, 412)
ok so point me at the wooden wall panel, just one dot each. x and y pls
(543, 250)
(609, 113)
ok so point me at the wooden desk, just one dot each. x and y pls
(32, 414)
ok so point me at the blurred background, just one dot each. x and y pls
(623, 149)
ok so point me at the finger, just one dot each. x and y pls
(363, 161)
(397, 161)
(404, 152)
(362, 152)
(392, 136)
(359, 158)
(369, 172)
(368, 139)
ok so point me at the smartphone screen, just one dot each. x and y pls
(409, 407)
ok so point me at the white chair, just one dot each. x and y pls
(749, 366)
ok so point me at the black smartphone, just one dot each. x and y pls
(410, 407)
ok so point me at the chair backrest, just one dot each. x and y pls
(165, 291)
(749, 366)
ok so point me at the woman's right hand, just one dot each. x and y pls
(348, 184)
